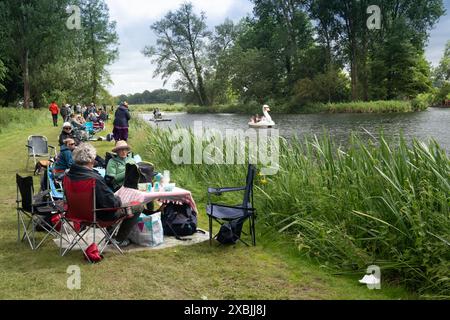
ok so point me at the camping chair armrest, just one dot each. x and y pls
(52, 147)
(233, 207)
(29, 147)
(219, 191)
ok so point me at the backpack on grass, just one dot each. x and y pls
(230, 232)
(179, 220)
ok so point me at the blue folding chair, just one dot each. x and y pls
(89, 127)
(56, 192)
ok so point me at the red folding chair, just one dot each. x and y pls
(81, 216)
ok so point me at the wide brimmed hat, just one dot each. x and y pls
(121, 145)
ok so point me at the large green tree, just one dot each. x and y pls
(282, 28)
(99, 43)
(2, 75)
(181, 49)
(442, 72)
(359, 44)
(31, 33)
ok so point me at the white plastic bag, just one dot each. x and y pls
(148, 232)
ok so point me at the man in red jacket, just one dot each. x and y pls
(54, 109)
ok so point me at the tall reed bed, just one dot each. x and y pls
(13, 118)
(376, 202)
(366, 107)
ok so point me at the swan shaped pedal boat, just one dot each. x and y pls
(267, 121)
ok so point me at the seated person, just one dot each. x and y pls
(78, 128)
(92, 117)
(103, 115)
(82, 169)
(80, 119)
(76, 122)
(117, 165)
(67, 133)
(64, 160)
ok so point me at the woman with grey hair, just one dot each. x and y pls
(83, 169)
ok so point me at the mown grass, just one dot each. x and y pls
(272, 270)
(382, 203)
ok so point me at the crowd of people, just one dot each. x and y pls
(91, 113)
(77, 158)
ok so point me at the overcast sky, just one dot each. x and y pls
(133, 72)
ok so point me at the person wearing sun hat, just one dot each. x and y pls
(117, 165)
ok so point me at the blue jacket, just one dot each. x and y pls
(122, 117)
(65, 160)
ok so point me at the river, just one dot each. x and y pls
(433, 123)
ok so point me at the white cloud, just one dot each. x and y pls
(131, 11)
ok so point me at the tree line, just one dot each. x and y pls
(155, 96)
(290, 52)
(297, 52)
(43, 59)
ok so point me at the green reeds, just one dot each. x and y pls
(372, 202)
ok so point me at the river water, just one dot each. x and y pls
(433, 123)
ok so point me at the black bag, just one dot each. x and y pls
(142, 172)
(179, 220)
(100, 162)
(230, 232)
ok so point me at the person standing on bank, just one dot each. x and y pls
(54, 109)
(121, 120)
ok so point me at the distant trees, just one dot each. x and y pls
(442, 72)
(442, 77)
(156, 96)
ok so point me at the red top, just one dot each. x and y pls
(54, 108)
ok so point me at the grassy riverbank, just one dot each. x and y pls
(350, 107)
(382, 203)
(272, 270)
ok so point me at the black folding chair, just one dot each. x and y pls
(31, 214)
(222, 213)
(38, 147)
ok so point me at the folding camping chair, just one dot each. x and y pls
(38, 147)
(54, 187)
(31, 214)
(222, 213)
(81, 211)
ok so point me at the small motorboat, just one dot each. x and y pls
(160, 120)
(266, 122)
(158, 117)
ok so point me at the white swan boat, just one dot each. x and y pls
(267, 121)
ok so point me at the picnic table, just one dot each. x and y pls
(178, 195)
